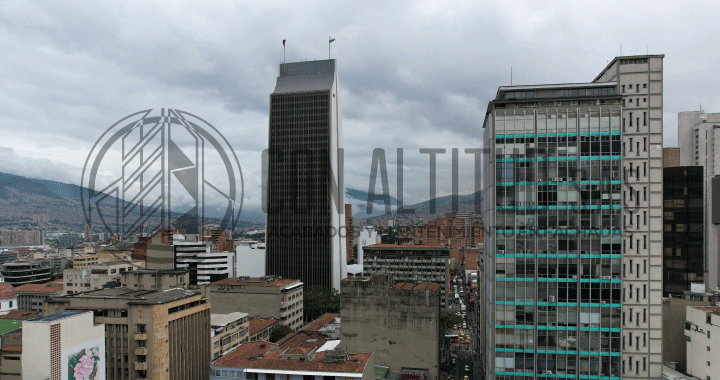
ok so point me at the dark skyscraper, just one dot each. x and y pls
(304, 182)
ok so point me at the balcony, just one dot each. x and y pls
(141, 351)
(140, 336)
(141, 366)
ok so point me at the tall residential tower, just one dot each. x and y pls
(573, 205)
(305, 194)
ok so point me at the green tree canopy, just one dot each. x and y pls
(319, 300)
(278, 333)
(450, 318)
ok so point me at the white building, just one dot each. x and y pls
(204, 265)
(702, 332)
(367, 236)
(56, 342)
(250, 258)
(699, 142)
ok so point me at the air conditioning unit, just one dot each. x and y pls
(606, 277)
(574, 276)
(549, 372)
(552, 299)
(501, 251)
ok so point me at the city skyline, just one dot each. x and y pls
(398, 93)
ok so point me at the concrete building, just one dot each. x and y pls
(699, 142)
(303, 221)
(69, 339)
(228, 331)
(150, 335)
(573, 197)
(11, 355)
(22, 237)
(94, 277)
(155, 279)
(367, 235)
(33, 296)
(410, 263)
(349, 232)
(7, 256)
(265, 297)
(25, 272)
(303, 355)
(250, 259)
(399, 323)
(702, 328)
(674, 317)
(683, 234)
(260, 328)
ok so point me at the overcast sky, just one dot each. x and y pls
(413, 74)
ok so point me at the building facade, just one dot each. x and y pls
(155, 279)
(699, 142)
(399, 323)
(305, 193)
(33, 296)
(264, 297)
(410, 263)
(94, 277)
(204, 265)
(683, 236)
(702, 328)
(573, 204)
(58, 341)
(149, 334)
(25, 272)
(228, 331)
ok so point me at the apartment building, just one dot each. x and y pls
(148, 334)
(260, 328)
(84, 260)
(94, 277)
(269, 296)
(573, 198)
(19, 273)
(410, 263)
(702, 329)
(228, 331)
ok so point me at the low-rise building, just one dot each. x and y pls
(94, 277)
(150, 334)
(55, 343)
(303, 355)
(155, 279)
(11, 355)
(260, 328)
(228, 331)
(400, 323)
(33, 296)
(84, 260)
(25, 272)
(410, 263)
(8, 298)
(674, 313)
(269, 296)
(702, 332)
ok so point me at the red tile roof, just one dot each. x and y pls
(6, 290)
(320, 322)
(258, 324)
(255, 281)
(20, 314)
(48, 287)
(267, 358)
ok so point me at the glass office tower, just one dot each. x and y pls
(573, 207)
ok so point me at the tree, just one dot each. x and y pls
(450, 318)
(319, 300)
(278, 333)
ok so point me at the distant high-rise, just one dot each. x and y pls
(305, 195)
(699, 142)
(573, 200)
